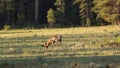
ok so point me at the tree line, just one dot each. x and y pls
(58, 13)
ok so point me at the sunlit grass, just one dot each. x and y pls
(40, 32)
(77, 42)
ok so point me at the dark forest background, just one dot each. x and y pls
(58, 13)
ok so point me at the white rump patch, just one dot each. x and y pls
(59, 36)
(53, 38)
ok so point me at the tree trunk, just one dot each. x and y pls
(51, 24)
(36, 13)
(8, 17)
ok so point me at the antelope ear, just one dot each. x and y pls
(42, 45)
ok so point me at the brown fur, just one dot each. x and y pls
(52, 40)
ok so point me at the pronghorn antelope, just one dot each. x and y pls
(52, 40)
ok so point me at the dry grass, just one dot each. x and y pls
(91, 47)
(40, 32)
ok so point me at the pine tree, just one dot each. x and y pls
(109, 10)
(60, 12)
(6, 6)
(86, 12)
(51, 17)
(72, 13)
(83, 12)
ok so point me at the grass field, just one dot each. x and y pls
(85, 47)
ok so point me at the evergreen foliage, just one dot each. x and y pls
(67, 13)
(51, 17)
(60, 11)
(109, 10)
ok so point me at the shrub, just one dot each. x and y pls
(7, 27)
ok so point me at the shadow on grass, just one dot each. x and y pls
(63, 62)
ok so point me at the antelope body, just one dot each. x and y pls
(52, 40)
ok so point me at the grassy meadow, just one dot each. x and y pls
(82, 47)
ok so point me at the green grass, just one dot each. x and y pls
(81, 47)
